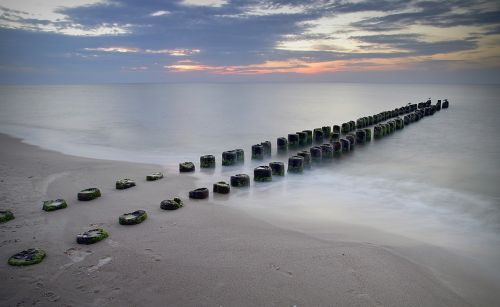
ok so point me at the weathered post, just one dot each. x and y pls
(295, 164)
(293, 140)
(267, 148)
(326, 152)
(316, 155)
(346, 145)
(262, 174)
(229, 157)
(277, 168)
(207, 161)
(257, 152)
(282, 144)
(318, 135)
(240, 180)
(307, 158)
(302, 138)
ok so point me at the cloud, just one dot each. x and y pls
(159, 13)
(172, 52)
(214, 3)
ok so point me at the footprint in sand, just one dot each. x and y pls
(76, 255)
(153, 255)
(101, 263)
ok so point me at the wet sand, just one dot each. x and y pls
(208, 253)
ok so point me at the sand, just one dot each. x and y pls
(208, 253)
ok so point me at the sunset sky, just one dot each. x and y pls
(94, 41)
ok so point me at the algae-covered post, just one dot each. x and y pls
(154, 176)
(360, 136)
(92, 236)
(352, 140)
(293, 140)
(89, 194)
(309, 134)
(262, 174)
(277, 168)
(240, 155)
(302, 138)
(133, 218)
(52, 205)
(327, 131)
(282, 144)
(229, 157)
(6, 215)
(186, 167)
(346, 145)
(200, 193)
(240, 180)
(267, 148)
(257, 152)
(123, 184)
(316, 156)
(318, 135)
(326, 152)
(207, 161)
(221, 187)
(368, 133)
(27, 257)
(307, 158)
(295, 164)
(337, 148)
(171, 204)
(336, 129)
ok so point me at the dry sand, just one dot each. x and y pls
(205, 254)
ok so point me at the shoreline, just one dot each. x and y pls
(206, 253)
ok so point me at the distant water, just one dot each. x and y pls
(437, 180)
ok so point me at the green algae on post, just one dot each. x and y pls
(186, 167)
(207, 161)
(229, 157)
(221, 187)
(316, 155)
(309, 134)
(92, 236)
(282, 144)
(200, 193)
(154, 176)
(240, 155)
(302, 138)
(240, 180)
(257, 152)
(307, 158)
(262, 173)
(171, 204)
(27, 257)
(133, 218)
(360, 136)
(123, 184)
(52, 205)
(296, 164)
(6, 215)
(368, 134)
(277, 168)
(267, 148)
(336, 129)
(326, 152)
(346, 145)
(293, 140)
(89, 194)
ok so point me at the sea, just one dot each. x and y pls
(437, 181)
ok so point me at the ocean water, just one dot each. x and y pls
(435, 181)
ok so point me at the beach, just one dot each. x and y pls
(208, 253)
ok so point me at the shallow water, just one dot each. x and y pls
(435, 181)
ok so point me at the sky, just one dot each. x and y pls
(122, 41)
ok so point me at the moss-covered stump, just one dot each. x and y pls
(302, 138)
(345, 128)
(337, 148)
(52, 205)
(154, 176)
(326, 152)
(360, 123)
(207, 161)
(257, 152)
(318, 135)
(123, 184)
(171, 204)
(186, 167)
(27, 257)
(293, 140)
(262, 174)
(327, 132)
(277, 168)
(316, 155)
(240, 155)
(6, 215)
(336, 129)
(133, 218)
(92, 236)
(352, 125)
(282, 145)
(296, 164)
(309, 134)
(400, 122)
(229, 158)
(335, 136)
(446, 104)
(221, 187)
(352, 139)
(307, 158)
(360, 136)
(89, 194)
(200, 193)
(346, 145)
(267, 148)
(240, 180)
(392, 126)
(368, 133)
